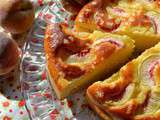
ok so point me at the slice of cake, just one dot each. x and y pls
(140, 20)
(133, 93)
(144, 27)
(105, 15)
(76, 59)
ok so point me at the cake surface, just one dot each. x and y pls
(77, 59)
(133, 93)
(140, 20)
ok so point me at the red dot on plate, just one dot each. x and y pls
(40, 2)
(5, 104)
(21, 103)
(16, 97)
(70, 103)
(55, 111)
(10, 110)
(47, 95)
(8, 97)
(43, 76)
(21, 112)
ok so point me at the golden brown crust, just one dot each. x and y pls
(145, 117)
(158, 2)
(126, 111)
(114, 91)
(49, 50)
(109, 91)
(99, 111)
(57, 51)
(94, 14)
(98, 16)
(137, 97)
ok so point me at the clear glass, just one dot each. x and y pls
(41, 101)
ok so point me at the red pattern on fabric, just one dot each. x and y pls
(70, 103)
(21, 103)
(5, 104)
(6, 118)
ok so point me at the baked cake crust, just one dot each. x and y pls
(76, 59)
(133, 92)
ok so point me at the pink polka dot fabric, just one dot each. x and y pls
(12, 104)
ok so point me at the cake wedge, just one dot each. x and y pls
(74, 60)
(133, 93)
